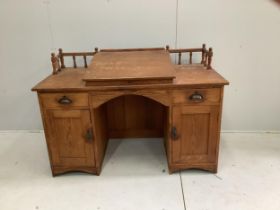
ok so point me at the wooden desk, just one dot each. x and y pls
(132, 93)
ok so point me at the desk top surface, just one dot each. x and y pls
(71, 79)
(130, 65)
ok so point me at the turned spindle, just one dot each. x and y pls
(210, 55)
(74, 61)
(190, 57)
(61, 58)
(85, 61)
(55, 63)
(53, 60)
(203, 54)
(167, 48)
(180, 57)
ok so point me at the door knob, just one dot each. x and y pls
(89, 135)
(174, 133)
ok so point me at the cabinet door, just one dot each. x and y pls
(195, 134)
(70, 138)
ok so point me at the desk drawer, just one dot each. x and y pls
(197, 96)
(54, 100)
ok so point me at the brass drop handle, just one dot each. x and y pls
(89, 135)
(65, 100)
(174, 134)
(197, 97)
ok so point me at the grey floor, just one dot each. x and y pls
(135, 176)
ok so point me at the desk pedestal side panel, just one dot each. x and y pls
(100, 129)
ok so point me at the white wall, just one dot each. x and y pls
(244, 35)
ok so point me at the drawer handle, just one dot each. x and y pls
(197, 97)
(64, 100)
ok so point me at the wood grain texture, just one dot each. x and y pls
(147, 65)
(134, 116)
(101, 97)
(51, 100)
(197, 128)
(210, 96)
(100, 129)
(58, 170)
(204, 166)
(67, 138)
(188, 75)
(78, 119)
(185, 76)
(129, 82)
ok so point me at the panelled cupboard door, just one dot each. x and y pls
(195, 134)
(70, 138)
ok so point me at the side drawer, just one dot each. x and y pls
(211, 96)
(63, 100)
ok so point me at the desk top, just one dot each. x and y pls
(71, 79)
(115, 67)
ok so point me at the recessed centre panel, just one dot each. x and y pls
(133, 116)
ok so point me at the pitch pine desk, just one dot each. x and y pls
(132, 93)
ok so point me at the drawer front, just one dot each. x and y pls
(64, 100)
(211, 96)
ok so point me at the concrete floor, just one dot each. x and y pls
(135, 176)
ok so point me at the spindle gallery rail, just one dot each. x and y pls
(206, 55)
(58, 60)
